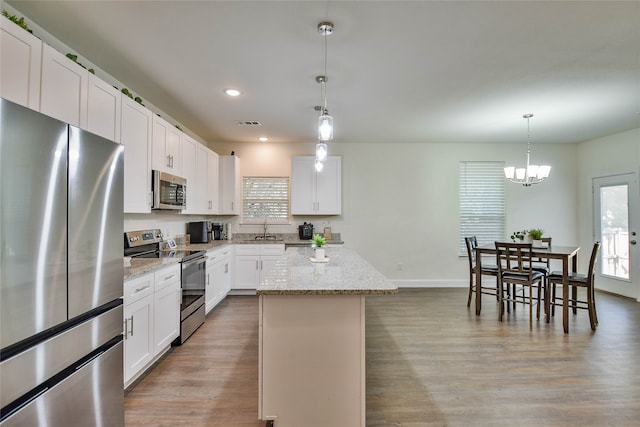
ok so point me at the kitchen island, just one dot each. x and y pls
(312, 338)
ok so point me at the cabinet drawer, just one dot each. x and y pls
(272, 249)
(248, 249)
(138, 288)
(167, 276)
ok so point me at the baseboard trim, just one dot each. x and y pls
(431, 283)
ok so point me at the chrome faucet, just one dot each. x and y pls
(264, 235)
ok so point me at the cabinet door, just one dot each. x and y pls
(303, 189)
(135, 136)
(329, 187)
(202, 175)
(166, 147)
(138, 337)
(63, 93)
(189, 150)
(230, 184)
(209, 292)
(266, 265)
(103, 109)
(20, 65)
(247, 272)
(212, 183)
(166, 313)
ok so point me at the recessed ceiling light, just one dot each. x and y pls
(263, 138)
(232, 92)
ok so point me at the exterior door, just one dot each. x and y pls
(616, 216)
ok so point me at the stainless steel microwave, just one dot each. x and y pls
(169, 191)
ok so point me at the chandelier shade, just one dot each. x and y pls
(530, 174)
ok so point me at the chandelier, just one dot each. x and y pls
(325, 121)
(530, 174)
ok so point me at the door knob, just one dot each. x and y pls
(633, 242)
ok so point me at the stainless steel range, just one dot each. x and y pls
(149, 244)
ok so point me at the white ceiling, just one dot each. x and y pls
(399, 71)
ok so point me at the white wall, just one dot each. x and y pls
(610, 155)
(400, 201)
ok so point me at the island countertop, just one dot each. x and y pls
(345, 273)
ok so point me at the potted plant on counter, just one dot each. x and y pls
(318, 243)
(536, 237)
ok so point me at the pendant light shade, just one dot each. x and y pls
(325, 127)
(321, 152)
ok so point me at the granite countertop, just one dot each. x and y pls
(140, 266)
(346, 273)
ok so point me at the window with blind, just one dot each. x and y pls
(265, 199)
(482, 206)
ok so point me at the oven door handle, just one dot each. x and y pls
(199, 260)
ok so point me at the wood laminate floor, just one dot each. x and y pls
(430, 362)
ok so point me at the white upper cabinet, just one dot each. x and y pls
(212, 182)
(167, 147)
(136, 138)
(189, 165)
(316, 193)
(230, 185)
(104, 109)
(20, 63)
(202, 176)
(63, 93)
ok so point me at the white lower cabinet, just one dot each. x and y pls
(218, 276)
(138, 325)
(253, 262)
(166, 308)
(151, 319)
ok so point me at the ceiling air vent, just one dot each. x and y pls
(248, 123)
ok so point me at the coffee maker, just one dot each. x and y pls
(216, 231)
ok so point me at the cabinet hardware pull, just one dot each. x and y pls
(257, 265)
(131, 324)
(125, 328)
(169, 277)
(141, 289)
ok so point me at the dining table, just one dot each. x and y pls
(567, 254)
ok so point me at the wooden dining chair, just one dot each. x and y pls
(486, 270)
(515, 269)
(576, 281)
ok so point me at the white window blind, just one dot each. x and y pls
(482, 206)
(265, 199)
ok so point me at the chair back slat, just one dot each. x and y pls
(514, 258)
(593, 261)
(472, 244)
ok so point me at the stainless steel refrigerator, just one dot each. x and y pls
(61, 271)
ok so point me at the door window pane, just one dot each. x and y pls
(614, 226)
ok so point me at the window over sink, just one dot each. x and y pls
(265, 199)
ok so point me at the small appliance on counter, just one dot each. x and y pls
(305, 231)
(200, 231)
(216, 231)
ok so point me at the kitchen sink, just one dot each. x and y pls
(269, 237)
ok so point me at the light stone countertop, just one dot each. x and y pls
(346, 273)
(140, 266)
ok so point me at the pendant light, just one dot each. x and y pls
(325, 121)
(530, 174)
